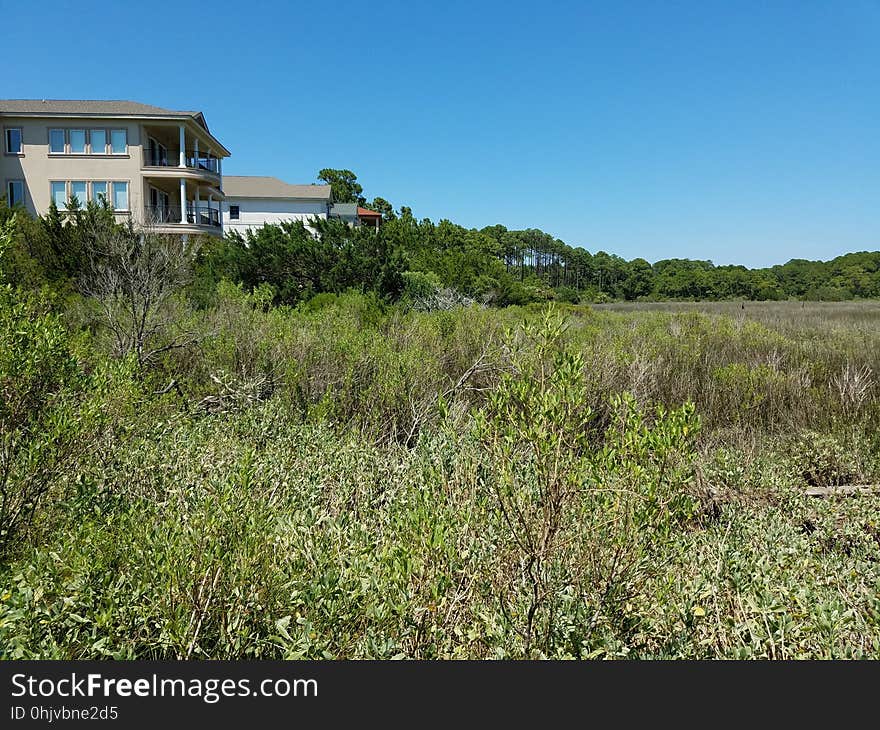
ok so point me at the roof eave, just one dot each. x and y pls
(274, 197)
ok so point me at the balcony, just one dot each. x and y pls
(198, 219)
(202, 215)
(168, 162)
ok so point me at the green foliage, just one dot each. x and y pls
(822, 460)
(7, 231)
(567, 294)
(348, 479)
(20, 255)
(344, 186)
(493, 265)
(37, 420)
(380, 205)
(134, 278)
(418, 285)
(581, 512)
(298, 263)
(69, 235)
(331, 474)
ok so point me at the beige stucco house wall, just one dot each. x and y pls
(174, 192)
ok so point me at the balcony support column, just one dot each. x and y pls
(182, 200)
(196, 153)
(182, 147)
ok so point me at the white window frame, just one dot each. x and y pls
(89, 195)
(237, 215)
(6, 131)
(127, 184)
(63, 206)
(9, 184)
(110, 141)
(93, 196)
(88, 150)
(63, 141)
(84, 201)
(85, 140)
(92, 151)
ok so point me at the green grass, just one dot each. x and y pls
(458, 485)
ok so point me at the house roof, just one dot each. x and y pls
(367, 213)
(78, 106)
(344, 210)
(253, 186)
(97, 108)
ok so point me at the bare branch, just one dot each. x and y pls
(134, 273)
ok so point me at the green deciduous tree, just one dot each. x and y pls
(380, 205)
(344, 185)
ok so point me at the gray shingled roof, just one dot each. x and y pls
(247, 186)
(84, 106)
(344, 210)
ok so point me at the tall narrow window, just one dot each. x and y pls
(98, 141)
(120, 196)
(78, 141)
(15, 193)
(59, 195)
(56, 140)
(78, 191)
(234, 212)
(119, 141)
(13, 141)
(99, 192)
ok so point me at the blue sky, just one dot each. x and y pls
(742, 132)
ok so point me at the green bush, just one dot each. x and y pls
(821, 460)
(419, 285)
(347, 478)
(580, 512)
(38, 421)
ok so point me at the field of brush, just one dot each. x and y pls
(347, 480)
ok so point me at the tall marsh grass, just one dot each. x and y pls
(347, 480)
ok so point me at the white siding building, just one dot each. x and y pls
(252, 201)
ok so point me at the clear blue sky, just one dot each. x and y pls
(742, 132)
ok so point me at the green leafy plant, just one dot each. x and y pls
(584, 508)
(37, 418)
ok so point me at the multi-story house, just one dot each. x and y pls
(158, 166)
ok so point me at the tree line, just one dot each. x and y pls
(410, 257)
